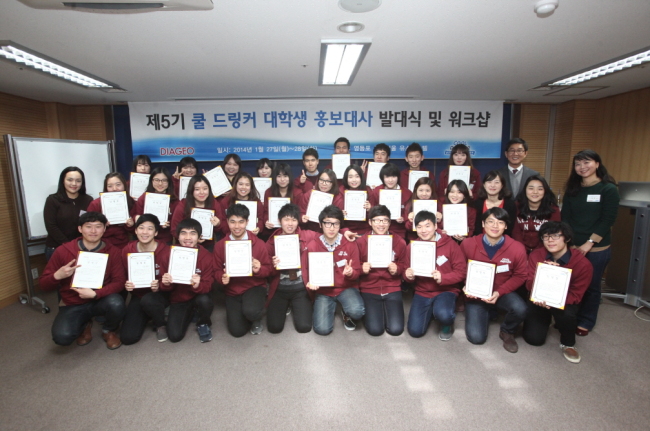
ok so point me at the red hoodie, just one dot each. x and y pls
(357, 226)
(114, 277)
(239, 285)
(345, 252)
(185, 292)
(379, 281)
(161, 260)
(580, 275)
(117, 235)
(451, 263)
(526, 230)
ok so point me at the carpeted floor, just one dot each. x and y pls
(348, 380)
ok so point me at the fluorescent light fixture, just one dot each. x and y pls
(612, 66)
(15, 53)
(340, 61)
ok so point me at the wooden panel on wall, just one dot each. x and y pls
(533, 128)
(90, 123)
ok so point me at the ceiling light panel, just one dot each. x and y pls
(340, 61)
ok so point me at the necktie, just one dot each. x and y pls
(514, 171)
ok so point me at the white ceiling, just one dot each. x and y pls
(421, 49)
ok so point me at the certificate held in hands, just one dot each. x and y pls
(321, 268)
(372, 177)
(262, 185)
(340, 163)
(204, 217)
(142, 269)
(252, 209)
(182, 264)
(138, 184)
(551, 285)
(92, 267)
(414, 176)
(480, 279)
(455, 219)
(423, 205)
(115, 207)
(423, 258)
(317, 202)
(287, 249)
(459, 173)
(380, 250)
(218, 181)
(239, 258)
(393, 201)
(158, 205)
(275, 205)
(182, 187)
(354, 204)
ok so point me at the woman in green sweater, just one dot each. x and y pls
(590, 206)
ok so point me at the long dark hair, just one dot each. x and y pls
(281, 169)
(503, 194)
(254, 195)
(462, 187)
(357, 169)
(170, 185)
(61, 189)
(129, 201)
(546, 206)
(574, 182)
(460, 148)
(332, 176)
(190, 202)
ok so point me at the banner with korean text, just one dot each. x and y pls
(284, 129)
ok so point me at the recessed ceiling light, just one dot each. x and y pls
(340, 61)
(544, 8)
(351, 27)
(359, 6)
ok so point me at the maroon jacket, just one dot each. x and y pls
(309, 184)
(164, 234)
(347, 251)
(239, 285)
(114, 277)
(511, 261)
(161, 260)
(525, 230)
(453, 269)
(398, 229)
(117, 235)
(474, 185)
(404, 178)
(580, 276)
(179, 216)
(379, 281)
(185, 292)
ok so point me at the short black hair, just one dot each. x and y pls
(289, 210)
(189, 223)
(517, 141)
(188, 161)
(238, 210)
(141, 159)
(498, 213)
(414, 147)
(150, 218)
(381, 147)
(310, 152)
(342, 139)
(424, 216)
(551, 227)
(389, 170)
(331, 211)
(265, 161)
(91, 217)
(378, 210)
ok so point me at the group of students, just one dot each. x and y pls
(512, 231)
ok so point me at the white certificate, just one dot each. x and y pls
(239, 258)
(454, 217)
(182, 264)
(252, 218)
(414, 176)
(182, 188)
(287, 249)
(372, 176)
(340, 163)
(115, 207)
(480, 279)
(158, 205)
(218, 181)
(275, 205)
(380, 250)
(354, 204)
(423, 258)
(142, 268)
(90, 273)
(318, 201)
(262, 185)
(423, 205)
(551, 285)
(203, 216)
(138, 184)
(321, 268)
(459, 173)
(393, 201)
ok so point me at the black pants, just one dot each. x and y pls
(538, 320)
(139, 311)
(383, 313)
(71, 320)
(242, 310)
(301, 310)
(181, 313)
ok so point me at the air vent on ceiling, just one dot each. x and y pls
(121, 6)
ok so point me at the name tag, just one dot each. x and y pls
(593, 198)
(82, 212)
(341, 263)
(441, 260)
(503, 268)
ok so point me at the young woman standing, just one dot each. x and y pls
(535, 206)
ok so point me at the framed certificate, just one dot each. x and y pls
(182, 264)
(158, 205)
(423, 205)
(182, 188)
(459, 173)
(372, 175)
(380, 250)
(142, 268)
(115, 207)
(318, 201)
(203, 216)
(262, 185)
(218, 181)
(551, 285)
(287, 249)
(423, 258)
(239, 258)
(455, 219)
(354, 204)
(414, 176)
(340, 163)
(321, 268)
(480, 279)
(275, 205)
(138, 184)
(393, 201)
(252, 218)
(92, 267)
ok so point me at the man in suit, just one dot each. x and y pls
(516, 173)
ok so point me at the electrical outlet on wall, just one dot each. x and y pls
(34, 273)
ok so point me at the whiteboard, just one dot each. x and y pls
(38, 164)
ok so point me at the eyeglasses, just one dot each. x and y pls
(329, 224)
(553, 236)
(324, 181)
(380, 221)
(517, 151)
(157, 181)
(492, 222)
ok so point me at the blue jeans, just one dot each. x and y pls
(477, 316)
(325, 307)
(588, 311)
(441, 307)
(71, 320)
(383, 313)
